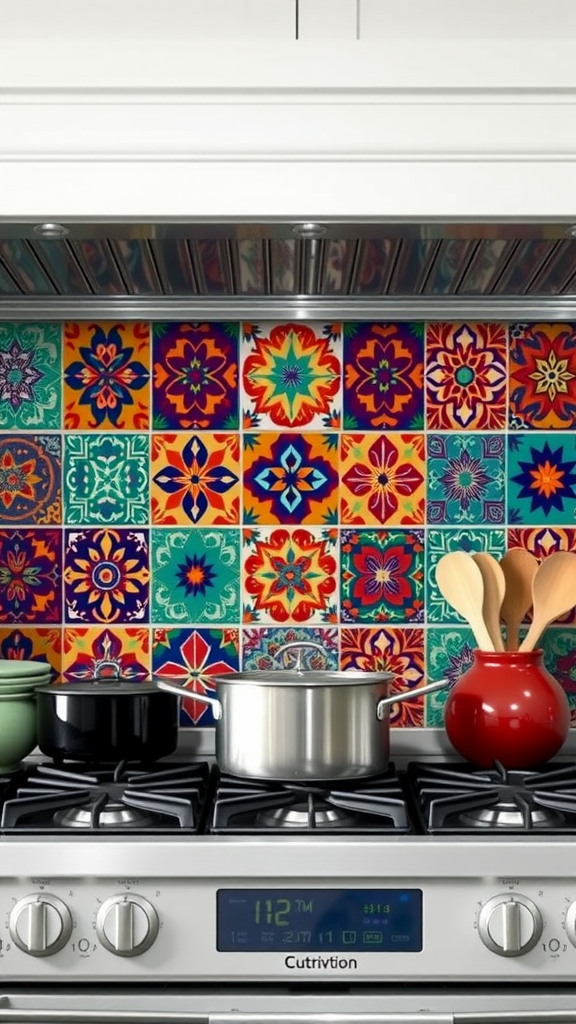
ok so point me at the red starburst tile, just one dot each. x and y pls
(382, 479)
(289, 575)
(543, 376)
(398, 651)
(466, 376)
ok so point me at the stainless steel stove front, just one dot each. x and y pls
(425, 909)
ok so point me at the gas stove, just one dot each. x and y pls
(434, 872)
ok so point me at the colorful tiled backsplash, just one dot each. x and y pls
(187, 497)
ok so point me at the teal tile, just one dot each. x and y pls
(465, 478)
(542, 478)
(106, 479)
(449, 654)
(442, 541)
(30, 376)
(195, 576)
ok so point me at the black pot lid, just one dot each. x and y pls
(106, 687)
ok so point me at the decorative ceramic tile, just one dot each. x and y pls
(195, 376)
(195, 575)
(106, 478)
(107, 376)
(30, 479)
(466, 476)
(382, 479)
(382, 576)
(291, 479)
(289, 576)
(383, 376)
(399, 651)
(94, 652)
(440, 542)
(559, 646)
(542, 376)
(542, 541)
(291, 375)
(195, 479)
(30, 376)
(106, 576)
(30, 576)
(32, 644)
(261, 648)
(542, 478)
(466, 376)
(449, 655)
(196, 656)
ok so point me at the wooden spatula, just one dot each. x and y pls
(518, 566)
(460, 582)
(553, 594)
(494, 589)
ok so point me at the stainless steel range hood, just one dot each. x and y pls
(344, 269)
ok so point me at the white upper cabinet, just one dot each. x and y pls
(192, 20)
(328, 19)
(467, 19)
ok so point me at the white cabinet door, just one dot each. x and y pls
(467, 19)
(328, 19)
(151, 19)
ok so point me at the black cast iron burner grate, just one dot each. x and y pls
(458, 798)
(78, 799)
(358, 806)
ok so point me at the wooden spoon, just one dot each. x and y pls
(518, 566)
(460, 582)
(494, 589)
(553, 594)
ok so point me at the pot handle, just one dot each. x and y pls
(181, 691)
(398, 698)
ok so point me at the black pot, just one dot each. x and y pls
(106, 720)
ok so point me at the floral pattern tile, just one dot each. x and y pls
(30, 479)
(398, 651)
(290, 479)
(195, 575)
(291, 375)
(382, 576)
(289, 576)
(196, 656)
(107, 376)
(559, 647)
(541, 542)
(30, 643)
(106, 576)
(195, 376)
(195, 479)
(449, 654)
(261, 648)
(542, 376)
(383, 376)
(31, 576)
(440, 542)
(466, 376)
(106, 479)
(109, 652)
(382, 479)
(30, 376)
(466, 475)
(542, 478)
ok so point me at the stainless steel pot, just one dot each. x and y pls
(304, 725)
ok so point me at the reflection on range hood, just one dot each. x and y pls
(350, 270)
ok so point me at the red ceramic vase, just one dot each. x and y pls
(507, 707)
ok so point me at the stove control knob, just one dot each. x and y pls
(127, 924)
(40, 924)
(510, 925)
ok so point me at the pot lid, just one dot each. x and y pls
(101, 687)
(290, 677)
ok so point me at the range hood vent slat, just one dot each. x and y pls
(25, 269)
(60, 265)
(99, 266)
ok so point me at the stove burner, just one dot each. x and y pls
(158, 798)
(375, 804)
(112, 815)
(302, 815)
(458, 798)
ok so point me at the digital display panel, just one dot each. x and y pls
(337, 920)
